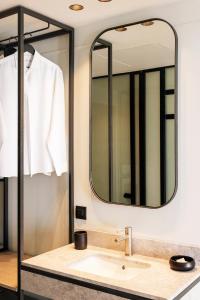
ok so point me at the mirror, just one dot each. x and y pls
(133, 114)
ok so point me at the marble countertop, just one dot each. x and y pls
(158, 282)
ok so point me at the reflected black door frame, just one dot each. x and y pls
(142, 130)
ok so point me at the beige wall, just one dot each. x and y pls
(169, 222)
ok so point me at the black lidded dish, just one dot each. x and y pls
(177, 265)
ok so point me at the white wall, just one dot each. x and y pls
(180, 220)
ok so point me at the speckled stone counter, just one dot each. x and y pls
(157, 282)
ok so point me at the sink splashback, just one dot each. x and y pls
(144, 246)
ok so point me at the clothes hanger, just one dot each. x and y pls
(29, 48)
(9, 50)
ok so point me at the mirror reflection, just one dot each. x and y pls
(133, 115)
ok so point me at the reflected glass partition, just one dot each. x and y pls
(133, 114)
(8, 153)
(35, 199)
(46, 196)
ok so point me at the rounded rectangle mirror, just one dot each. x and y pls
(133, 114)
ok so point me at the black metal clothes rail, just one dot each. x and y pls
(30, 33)
(22, 39)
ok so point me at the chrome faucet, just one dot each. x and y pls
(128, 241)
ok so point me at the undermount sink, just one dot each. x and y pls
(109, 266)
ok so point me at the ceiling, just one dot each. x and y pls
(94, 10)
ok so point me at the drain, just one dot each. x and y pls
(123, 267)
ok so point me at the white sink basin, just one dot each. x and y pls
(109, 266)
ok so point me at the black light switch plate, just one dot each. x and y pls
(81, 212)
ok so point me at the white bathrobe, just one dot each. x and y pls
(44, 112)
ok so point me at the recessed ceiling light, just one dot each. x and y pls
(76, 7)
(147, 23)
(121, 29)
(104, 0)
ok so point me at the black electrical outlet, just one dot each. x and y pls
(81, 212)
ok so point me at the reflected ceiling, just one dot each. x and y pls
(129, 57)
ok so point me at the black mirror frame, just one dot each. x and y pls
(175, 119)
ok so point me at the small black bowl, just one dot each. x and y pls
(176, 265)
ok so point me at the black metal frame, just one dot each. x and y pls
(162, 138)
(132, 139)
(5, 187)
(175, 92)
(5, 221)
(26, 33)
(4, 181)
(20, 11)
(142, 139)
